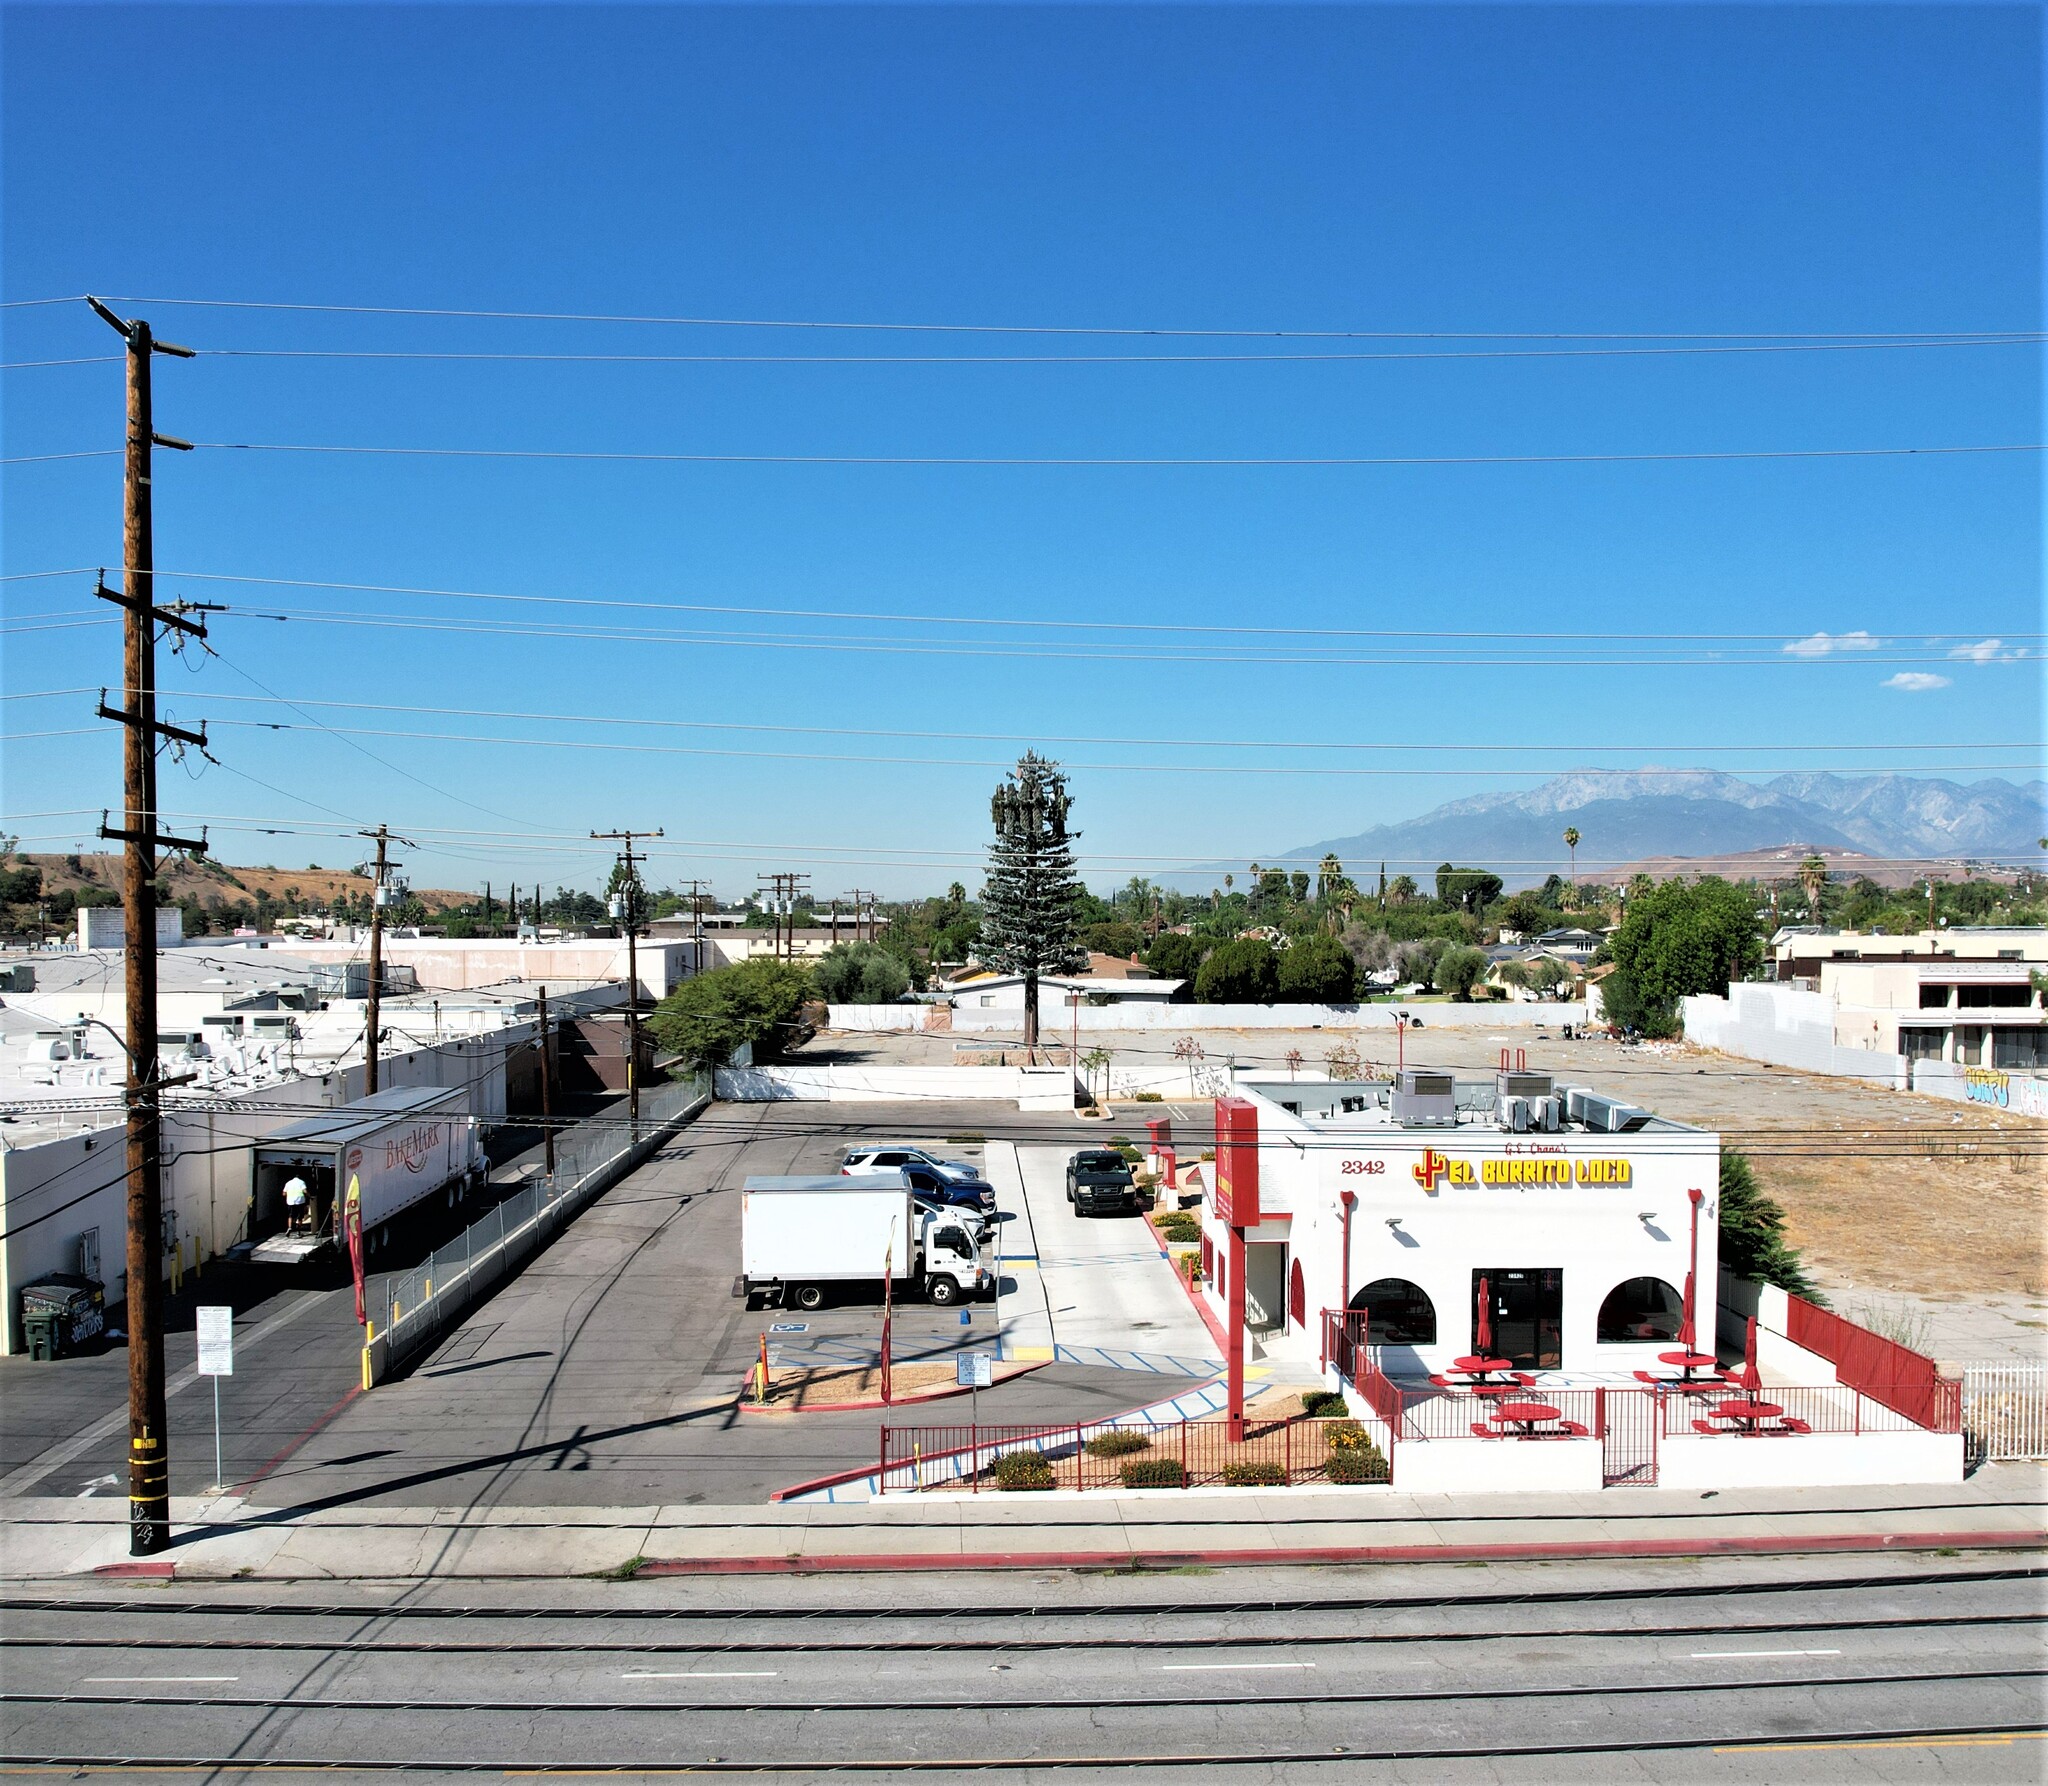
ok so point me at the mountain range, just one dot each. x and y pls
(1624, 816)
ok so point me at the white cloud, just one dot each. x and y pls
(1915, 682)
(1985, 651)
(1826, 644)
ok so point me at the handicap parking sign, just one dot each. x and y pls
(790, 1327)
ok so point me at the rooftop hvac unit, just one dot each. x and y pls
(273, 1029)
(1425, 1098)
(1532, 1116)
(181, 1044)
(1524, 1085)
(1606, 1116)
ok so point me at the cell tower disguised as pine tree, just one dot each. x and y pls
(1028, 903)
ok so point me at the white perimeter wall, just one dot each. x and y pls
(1179, 1018)
(1497, 1466)
(1786, 1026)
(1803, 1460)
(2025, 1094)
(1033, 1088)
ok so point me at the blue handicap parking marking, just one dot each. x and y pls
(790, 1327)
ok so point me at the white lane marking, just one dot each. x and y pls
(182, 1680)
(1752, 1655)
(702, 1674)
(1225, 1667)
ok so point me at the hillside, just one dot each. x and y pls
(209, 880)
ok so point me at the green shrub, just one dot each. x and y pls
(1118, 1444)
(1316, 1403)
(1346, 1435)
(1153, 1472)
(1254, 1475)
(1177, 1224)
(1348, 1468)
(1022, 1470)
(1148, 1097)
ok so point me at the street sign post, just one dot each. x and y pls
(974, 1371)
(216, 1360)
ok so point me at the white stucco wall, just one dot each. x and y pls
(1497, 1466)
(1786, 1026)
(1807, 1460)
(1033, 1088)
(1179, 1018)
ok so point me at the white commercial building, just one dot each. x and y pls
(1575, 1212)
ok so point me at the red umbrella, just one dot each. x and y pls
(1750, 1377)
(1688, 1331)
(1688, 1335)
(1482, 1331)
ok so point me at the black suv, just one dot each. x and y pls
(1099, 1182)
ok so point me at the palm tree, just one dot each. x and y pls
(1571, 842)
(1813, 876)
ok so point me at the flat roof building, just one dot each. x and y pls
(1572, 1217)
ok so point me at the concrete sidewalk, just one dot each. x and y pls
(2001, 1507)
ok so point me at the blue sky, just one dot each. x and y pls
(1689, 172)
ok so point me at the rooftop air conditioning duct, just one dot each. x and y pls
(1425, 1098)
(1606, 1116)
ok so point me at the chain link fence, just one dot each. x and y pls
(408, 1308)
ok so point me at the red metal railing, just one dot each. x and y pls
(1820, 1409)
(1454, 1413)
(1184, 1454)
(1902, 1380)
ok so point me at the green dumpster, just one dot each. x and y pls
(60, 1312)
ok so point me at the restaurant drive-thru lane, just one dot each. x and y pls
(1904, 1669)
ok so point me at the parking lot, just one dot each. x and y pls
(608, 1372)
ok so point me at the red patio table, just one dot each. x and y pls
(1747, 1416)
(1526, 1415)
(1482, 1366)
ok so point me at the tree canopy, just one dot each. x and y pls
(1317, 970)
(1240, 972)
(860, 974)
(1029, 902)
(707, 1019)
(1678, 940)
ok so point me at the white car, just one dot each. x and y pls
(859, 1161)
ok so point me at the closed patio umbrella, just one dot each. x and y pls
(1750, 1378)
(1482, 1330)
(1688, 1333)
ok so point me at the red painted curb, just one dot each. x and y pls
(1581, 1549)
(138, 1571)
(937, 1393)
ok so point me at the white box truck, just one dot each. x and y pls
(801, 1238)
(401, 1146)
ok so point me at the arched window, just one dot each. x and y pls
(1398, 1313)
(1297, 1296)
(1644, 1308)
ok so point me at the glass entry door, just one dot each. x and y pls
(1528, 1316)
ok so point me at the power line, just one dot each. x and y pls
(727, 322)
(1103, 462)
(1380, 357)
(1001, 620)
(812, 756)
(1415, 656)
(776, 726)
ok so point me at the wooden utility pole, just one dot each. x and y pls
(149, 1460)
(627, 902)
(379, 893)
(547, 1093)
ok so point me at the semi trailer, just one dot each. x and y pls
(400, 1147)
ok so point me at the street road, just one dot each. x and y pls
(1885, 1669)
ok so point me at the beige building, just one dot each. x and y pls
(1976, 1013)
(1799, 952)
